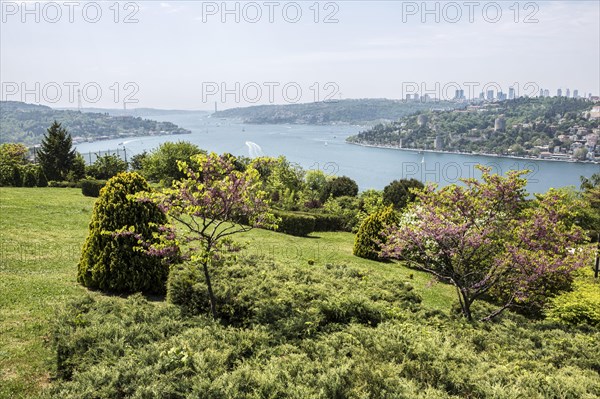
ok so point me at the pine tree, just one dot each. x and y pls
(56, 155)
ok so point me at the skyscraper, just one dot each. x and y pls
(559, 93)
(575, 93)
(511, 93)
(490, 95)
(568, 93)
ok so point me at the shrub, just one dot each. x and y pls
(16, 177)
(325, 221)
(290, 302)
(367, 243)
(346, 208)
(339, 187)
(30, 176)
(111, 258)
(580, 306)
(91, 188)
(398, 193)
(161, 164)
(328, 222)
(63, 184)
(106, 167)
(296, 224)
(42, 181)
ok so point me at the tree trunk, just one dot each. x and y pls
(211, 295)
(465, 303)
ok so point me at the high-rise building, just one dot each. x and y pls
(575, 93)
(511, 93)
(408, 97)
(546, 93)
(501, 96)
(481, 96)
(541, 93)
(559, 93)
(490, 95)
(568, 93)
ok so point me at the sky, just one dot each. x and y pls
(199, 54)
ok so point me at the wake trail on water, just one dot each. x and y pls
(254, 150)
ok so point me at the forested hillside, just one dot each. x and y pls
(548, 127)
(27, 124)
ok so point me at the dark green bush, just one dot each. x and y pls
(327, 222)
(42, 181)
(30, 175)
(63, 184)
(398, 193)
(112, 259)
(367, 243)
(296, 224)
(91, 188)
(16, 178)
(339, 187)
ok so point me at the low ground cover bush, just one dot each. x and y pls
(293, 303)
(580, 306)
(111, 348)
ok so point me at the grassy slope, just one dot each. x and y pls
(41, 233)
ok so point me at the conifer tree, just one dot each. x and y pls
(56, 155)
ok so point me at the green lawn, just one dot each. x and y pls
(41, 233)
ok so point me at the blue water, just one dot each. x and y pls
(324, 147)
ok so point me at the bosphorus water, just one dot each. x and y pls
(324, 147)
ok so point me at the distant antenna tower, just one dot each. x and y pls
(79, 100)
(215, 106)
(124, 106)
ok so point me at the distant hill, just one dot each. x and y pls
(141, 112)
(27, 123)
(360, 111)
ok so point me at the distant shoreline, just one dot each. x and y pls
(471, 153)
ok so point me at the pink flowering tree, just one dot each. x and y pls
(486, 238)
(214, 201)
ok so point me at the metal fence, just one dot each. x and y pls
(90, 157)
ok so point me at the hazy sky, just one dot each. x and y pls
(191, 54)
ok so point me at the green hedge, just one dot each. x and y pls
(63, 184)
(326, 221)
(296, 224)
(91, 188)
